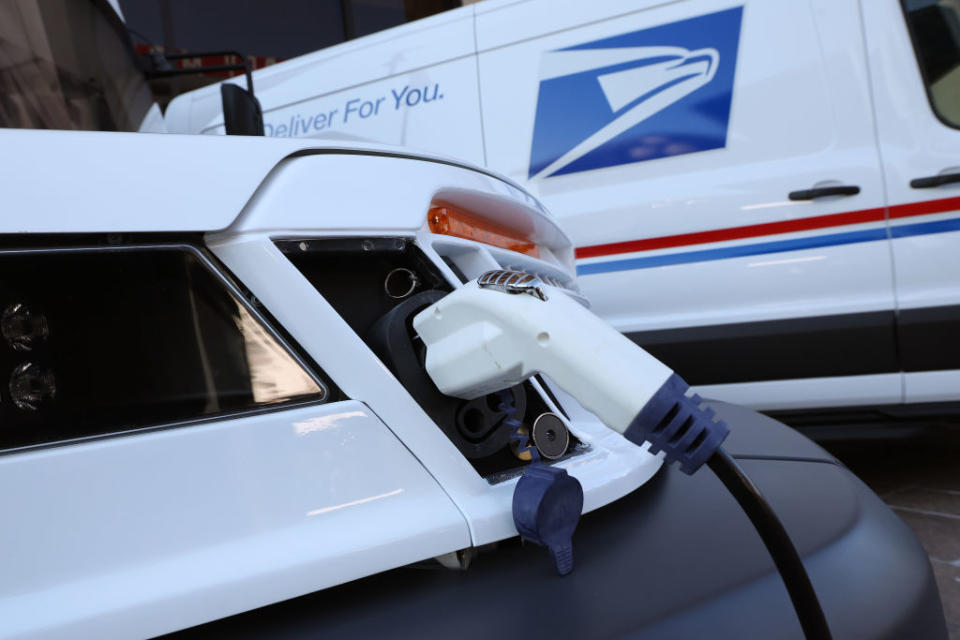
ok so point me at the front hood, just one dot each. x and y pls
(96, 182)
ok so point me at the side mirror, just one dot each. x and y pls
(242, 115)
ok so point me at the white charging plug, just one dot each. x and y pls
(480, 340)
(505, 327)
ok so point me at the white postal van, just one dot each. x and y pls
(764, 194)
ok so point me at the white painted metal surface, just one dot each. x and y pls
(931, 386)
(810, 393)
(55, 182)
(145, 534)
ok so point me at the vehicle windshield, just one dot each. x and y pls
(68, 64)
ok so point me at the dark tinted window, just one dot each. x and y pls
(68, 64)
(95, 342)
(935, 29)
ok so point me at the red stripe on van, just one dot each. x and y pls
(770, 228)
(924, 208)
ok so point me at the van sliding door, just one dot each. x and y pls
(914, 52)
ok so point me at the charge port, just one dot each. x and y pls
(378, 285)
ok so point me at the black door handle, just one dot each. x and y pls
(934, 181)
(821, 192)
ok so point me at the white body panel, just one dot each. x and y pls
(145, 534)
(931, 386)
(205, 188)
(811, 393)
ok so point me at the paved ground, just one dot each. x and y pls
(919, 477)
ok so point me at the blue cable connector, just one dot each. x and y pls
(676, 424)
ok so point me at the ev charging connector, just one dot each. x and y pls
(480, 341)
(498, 331)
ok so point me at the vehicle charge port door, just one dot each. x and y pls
(914, 51)
(716, 165)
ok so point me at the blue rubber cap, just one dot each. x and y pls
(546, 509)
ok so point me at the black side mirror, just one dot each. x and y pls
(242, 115)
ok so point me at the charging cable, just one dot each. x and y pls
(480, 341)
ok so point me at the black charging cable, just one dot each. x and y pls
(778, 543)
(686, 432)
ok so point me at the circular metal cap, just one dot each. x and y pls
(550, 436)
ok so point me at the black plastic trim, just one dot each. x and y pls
(823, 192)
(930, 182)
(789, 458)
(824, 346)
(930, 338)
(884, 421)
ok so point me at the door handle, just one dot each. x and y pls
(822, 192)
(934, 181)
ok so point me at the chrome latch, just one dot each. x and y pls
(513, 282)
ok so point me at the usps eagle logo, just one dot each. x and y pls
(635, 97)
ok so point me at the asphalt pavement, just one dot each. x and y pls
(919, 478)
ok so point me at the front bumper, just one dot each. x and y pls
(674, 559)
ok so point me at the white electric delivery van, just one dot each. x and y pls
(763, 194)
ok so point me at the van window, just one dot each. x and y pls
(101, 341)
(935, 29)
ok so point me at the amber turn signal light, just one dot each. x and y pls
(453, 221)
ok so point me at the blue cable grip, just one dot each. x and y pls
(677, 424)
